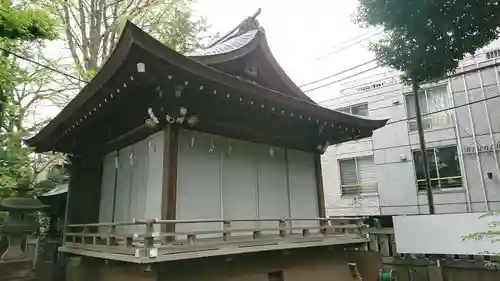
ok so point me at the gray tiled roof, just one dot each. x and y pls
(228, 45)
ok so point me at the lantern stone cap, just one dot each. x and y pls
(21, 204)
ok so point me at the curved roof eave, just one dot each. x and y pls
(103, 75)
(279, 70)
(151, 45)
(228, 50)
(133, 35)
(242, 45)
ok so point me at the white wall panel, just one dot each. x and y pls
(239, 183)
(139, 179)
(137, 200)
(122, 200)
(199, 180)
(302, 185)
(154, 181)
(239, 180)
(107, 188)
(272, 185)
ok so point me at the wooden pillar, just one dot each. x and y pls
(84, 189)
(169, 189)
(73, 173)
(436, 272)
(319, 185)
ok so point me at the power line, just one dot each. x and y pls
(358, 93)
(445, 109)
(390, 84)
(337, 74)
(349, 46)
(340, 80)
(43, 65)
(352, 39)
(399, 94)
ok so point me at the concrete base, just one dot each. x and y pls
(419, 272)
(14, 270)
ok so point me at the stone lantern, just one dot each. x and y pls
(14, 262)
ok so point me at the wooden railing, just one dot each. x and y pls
(382, 240)
(228, 236)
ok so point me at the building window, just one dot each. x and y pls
(359, 109)
(358, 176)
(493, 54)
(444, 168)
(431, 100)
(275, 276)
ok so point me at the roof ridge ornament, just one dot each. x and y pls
(250, 23)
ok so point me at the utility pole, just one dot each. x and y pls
(423, 150)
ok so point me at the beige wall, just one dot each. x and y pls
(457, 274)
(297, 265)
(82, 269)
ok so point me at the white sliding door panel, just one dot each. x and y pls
(137, 199)
(272, 183)
(122, 201)
(239, 183)
(107, 189)
(302, 185)
(132, 182)
(154, 176)
(199, 180)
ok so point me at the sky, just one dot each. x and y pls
(300, 35)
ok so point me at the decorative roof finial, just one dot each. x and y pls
(247, 24)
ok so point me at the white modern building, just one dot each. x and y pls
(383, 175)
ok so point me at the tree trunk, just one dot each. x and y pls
(423, 150)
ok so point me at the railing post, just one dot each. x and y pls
(227, 230)
(392, 239)
(191, 238)
(323, 222)
(148, 238)
(85, 230)
(373, 244)
(384, 245)
(129, 241)
(360, 225)
(345, 230)
(111, 239)
(282, 227)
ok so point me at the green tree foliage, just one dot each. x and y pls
(492, 234)
(15, 164)
(425, 39)
(25, 22)
(92, 28)
(90, 31)
(22, 22)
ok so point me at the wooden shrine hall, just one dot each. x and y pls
(212, 154)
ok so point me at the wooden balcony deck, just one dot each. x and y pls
(149, 246)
